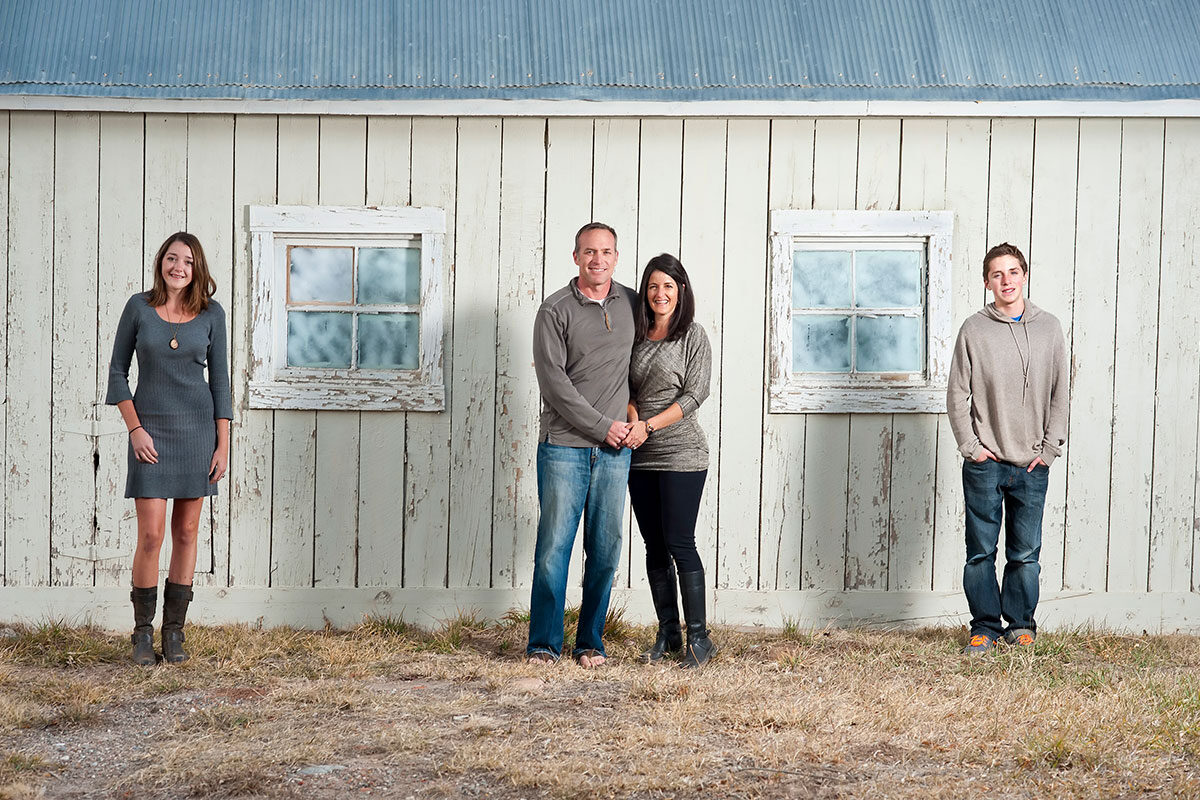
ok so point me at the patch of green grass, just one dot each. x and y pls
(793, 631)
(458, 632)
(1061, 750)
(55, 643)
(618, 630)
(391, 626)
(14, 764)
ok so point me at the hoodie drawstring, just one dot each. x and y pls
(1024, 360)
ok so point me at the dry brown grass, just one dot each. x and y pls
(455, 711)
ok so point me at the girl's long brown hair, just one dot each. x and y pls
(202, 287)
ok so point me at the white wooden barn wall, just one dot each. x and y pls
(818, 517)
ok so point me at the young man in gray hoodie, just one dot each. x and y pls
(1007, 401)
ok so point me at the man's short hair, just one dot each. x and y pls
(594, 226)
(1005, 249)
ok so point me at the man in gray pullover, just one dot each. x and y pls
(582, 339)
(1007, 401)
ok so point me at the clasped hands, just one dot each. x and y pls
(626, 434)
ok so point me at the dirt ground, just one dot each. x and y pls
(388, 711)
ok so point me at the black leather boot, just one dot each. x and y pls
(666, 606)
(176, 597)
(699, 647)
(145, 603)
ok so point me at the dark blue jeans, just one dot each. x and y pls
(575, 481)
(996, 490)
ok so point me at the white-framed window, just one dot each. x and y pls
(860, 311)
(347, 308)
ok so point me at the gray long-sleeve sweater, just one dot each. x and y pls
(1008, 386)
(581, 353)
(662, 373)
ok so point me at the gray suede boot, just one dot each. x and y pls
(176, 597)
(145, 603)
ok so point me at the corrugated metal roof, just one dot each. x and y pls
(603, 49)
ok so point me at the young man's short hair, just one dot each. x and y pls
(1005, 249)
(594, 226)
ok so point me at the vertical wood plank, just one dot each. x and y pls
(914, 436)
(73, 354)
(1134, 368)
(122, 271)
(967, 155)
(1173, 513)
(382, 443)
(166, 213)
(250, 467)
(29, 394)
(1051, 257)
(616, 170)
(473, 410)
(523, 193)
(342, 175)
(572, 175)
(4, 263)
(827, 436)
(1085, 550)
(427, 456)
(868, 505)
(701, 251)
(209, 198)
(660, 198)
(783, 480)
(1010, 180)
(743, 383)
(294, 459)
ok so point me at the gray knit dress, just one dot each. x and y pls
(175, 403)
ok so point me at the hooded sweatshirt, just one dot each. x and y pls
(1008, 386)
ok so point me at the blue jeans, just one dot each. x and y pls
(573, 481)
(992, 488)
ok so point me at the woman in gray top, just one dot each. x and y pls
(669, 375)
(178, 425)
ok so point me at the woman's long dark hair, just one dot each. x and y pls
(685, 305)
(202, 287)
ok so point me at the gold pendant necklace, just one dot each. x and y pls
(174, 331)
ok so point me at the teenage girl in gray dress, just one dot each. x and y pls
(178, 422)
(669, 378)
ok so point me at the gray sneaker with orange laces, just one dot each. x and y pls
(980, 644)
(1021, 637)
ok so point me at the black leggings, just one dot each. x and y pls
(666, 505)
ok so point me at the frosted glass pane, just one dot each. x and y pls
(319, 274)
(887, 278)
(820, 344)
(820, 279)
(888, 344)
(389, 341)
(389, 275)
(318, 339)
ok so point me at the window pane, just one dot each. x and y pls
(820, 344)
(888, 344)
(389, 275)
(319, 274)
(887, 278)
(820, 279)
(318, 339)
(388, 341)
